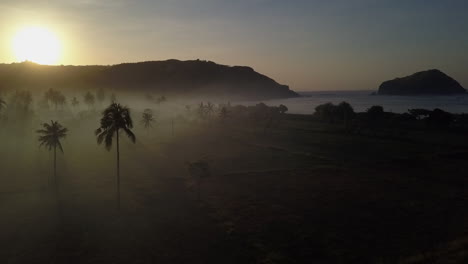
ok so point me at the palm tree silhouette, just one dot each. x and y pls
(114, 119)
(2, 107)
(147, 118)
(2, 104)
(49, 137)
(75, 102)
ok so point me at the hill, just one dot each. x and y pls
(171, 77)
(428, 82)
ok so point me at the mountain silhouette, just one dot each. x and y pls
(428, 82)
(171, 77)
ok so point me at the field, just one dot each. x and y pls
(299, 192)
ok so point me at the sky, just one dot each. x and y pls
(308, 45)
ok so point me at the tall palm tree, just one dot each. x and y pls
(49, 137)
(115, 118)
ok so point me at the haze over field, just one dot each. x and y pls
(173, 131)
(308, 45)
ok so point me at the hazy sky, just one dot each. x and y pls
(309, 45)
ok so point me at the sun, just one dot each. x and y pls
(36, 44)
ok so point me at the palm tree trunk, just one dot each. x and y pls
(118, 172)
(55, 169)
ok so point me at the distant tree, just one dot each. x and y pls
(49, 137)
(419, 113)
(55, 97)
(282, 109)
(325, 112)
(375, 116)
(89, 99)
(345, 112)
(100, 95)
(209, 109)
(21, 101)
(115, 118)
(61, 101)
(75, 102)
(2, 105)
(201, 111)
(2, 108)
(161, 99)
(439, 119)
(198, 171)
(223, 113)
(375, 112)
(147, 118)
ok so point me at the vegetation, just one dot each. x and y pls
(89, 99)
(55, 97)
(49, 137)
(75, 102)
(2, 104)
(147, 118)
(275, 190)
(115, 118)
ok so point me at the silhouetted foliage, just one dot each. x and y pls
(205, 111)
(2, 105)
(49, 137)
(439, 119)
(331, 113)
(419, 113)
(223, 113)
(55, 97)
(147, 118)
(115, 118)
(375, 112)
(282, 109)
(161, 99)
(75, 102)
(20, 102)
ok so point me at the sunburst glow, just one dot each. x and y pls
(36, 44)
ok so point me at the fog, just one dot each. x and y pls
(211, 181)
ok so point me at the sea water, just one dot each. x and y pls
(362, 100)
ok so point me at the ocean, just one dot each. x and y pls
(362, 100)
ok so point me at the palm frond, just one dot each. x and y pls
(51, 134)
(114, 118)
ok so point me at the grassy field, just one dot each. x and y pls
(303, 192)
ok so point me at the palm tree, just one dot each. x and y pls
(209, 109)
(2, 104)
(147, 118)
(89, 99)
(114, 119)
(49, 137)
(2, 107)
(75, 102)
